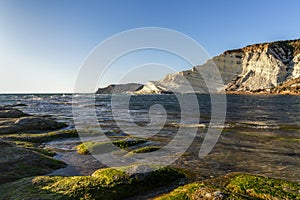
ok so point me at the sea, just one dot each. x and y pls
(271, 110)
(258, 133)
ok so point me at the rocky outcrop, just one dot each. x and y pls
(120, 88)
(249, 69)
(236, 186)
(105, 184)
(291, 86)
(16, 125)
(21, 155)
(13, 120)
(8, 112)
(17, 162)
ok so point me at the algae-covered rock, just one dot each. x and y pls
(106, 147)
(260, 187)
(41, 137)
(145, 149)
(237, 186)
(17, 162)
(34, 141)
(22, 156)
(183, 192)
(110, 183)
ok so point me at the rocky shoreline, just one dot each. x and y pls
(25, 163)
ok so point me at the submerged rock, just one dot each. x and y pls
(105, 184)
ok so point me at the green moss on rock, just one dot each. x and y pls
(182, 192)
(146, 149)
(17, 162)
(237, 186)
(40, 137)
(105, 147)
(32, 141)
(110, 183)
(263, 188)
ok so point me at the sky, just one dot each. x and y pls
(43, 43)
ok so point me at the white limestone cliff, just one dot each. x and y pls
(252, 68)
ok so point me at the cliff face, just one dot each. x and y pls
(252, 68)
(191, 81)
(265, 66)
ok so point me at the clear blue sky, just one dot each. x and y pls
(44, 42)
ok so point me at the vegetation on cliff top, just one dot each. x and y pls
(294, 44)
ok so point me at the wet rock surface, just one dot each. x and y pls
(21, 154)
(236, 186)
(246, 147)
(17, 162)
(13, 120)
(272, 153)
(105, 184)
(7, 112)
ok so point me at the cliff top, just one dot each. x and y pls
(294, 45)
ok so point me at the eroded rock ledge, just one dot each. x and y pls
(13, 120)
(21, 154)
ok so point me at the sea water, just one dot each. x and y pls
(260, 134)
